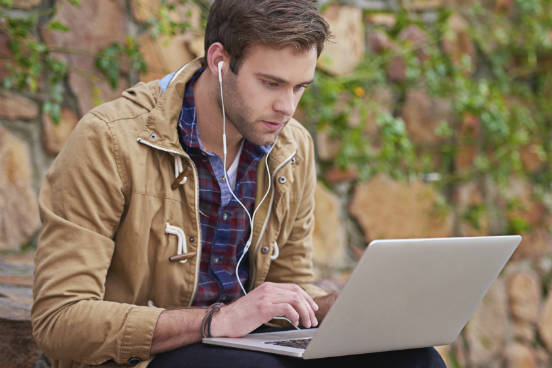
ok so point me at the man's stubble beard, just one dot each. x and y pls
(242, 120)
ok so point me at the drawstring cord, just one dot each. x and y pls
(182, 250)
(275, 252)
(179, 173)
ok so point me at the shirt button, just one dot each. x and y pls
(134, 360)
(192, 239)
(225, 216)
(216, 260)
(264, 250)
(222, 179)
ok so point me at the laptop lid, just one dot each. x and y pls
(403, 293)
(410, 293)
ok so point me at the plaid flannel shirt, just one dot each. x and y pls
(225, 226)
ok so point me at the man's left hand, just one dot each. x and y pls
(324, 304)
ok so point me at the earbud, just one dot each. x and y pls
(220, 64)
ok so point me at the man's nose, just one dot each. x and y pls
(285, 104)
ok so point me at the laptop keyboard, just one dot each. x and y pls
(293, 343)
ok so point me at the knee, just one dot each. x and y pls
(430, 358)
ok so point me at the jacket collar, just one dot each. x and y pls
(160, 129)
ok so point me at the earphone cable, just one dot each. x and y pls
(251, 217)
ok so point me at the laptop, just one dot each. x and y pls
(402, 294)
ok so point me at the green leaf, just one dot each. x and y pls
(474, 214)
(107, 62)
(53, 110)
(58, 26)
(518, 225)
(22, 26)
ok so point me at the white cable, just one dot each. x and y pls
(251, 217)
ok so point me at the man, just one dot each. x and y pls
(169, 203)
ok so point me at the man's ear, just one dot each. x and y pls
(215, 54)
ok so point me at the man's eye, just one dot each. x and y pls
(271, 84)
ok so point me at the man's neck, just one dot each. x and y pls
(209, 119)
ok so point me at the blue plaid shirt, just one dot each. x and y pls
(225, 226)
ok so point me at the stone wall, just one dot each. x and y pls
(513, 325)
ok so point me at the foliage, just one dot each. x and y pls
(32, 61)
(108, 60)
(499, 102)
(164, 23)
(37, 69)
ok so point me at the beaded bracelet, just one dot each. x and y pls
(208, 317)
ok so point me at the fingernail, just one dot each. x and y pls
(315, 306)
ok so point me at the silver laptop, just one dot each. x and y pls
(403, 294)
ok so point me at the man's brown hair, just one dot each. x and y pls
(239, 24)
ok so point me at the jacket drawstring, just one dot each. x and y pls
(275, 252)
(182, 245)
(179, 173)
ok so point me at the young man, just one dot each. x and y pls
(167, 204)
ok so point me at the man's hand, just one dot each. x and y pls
(261, 305)
(181, 327)
(324, 303)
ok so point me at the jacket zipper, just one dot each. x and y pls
(196, 189)
(263, 229)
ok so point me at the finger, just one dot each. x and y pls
(312, 305)
(293, 294)
(286, 310)
(297, 302)
(304, 310)
(296, 288)
(312, 315)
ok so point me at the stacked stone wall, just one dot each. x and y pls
(513, 325)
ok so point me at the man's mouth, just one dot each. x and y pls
(273, 125)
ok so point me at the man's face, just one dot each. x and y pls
(262, 97)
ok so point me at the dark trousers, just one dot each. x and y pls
(211, 356)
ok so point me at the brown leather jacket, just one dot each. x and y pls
(110, 205)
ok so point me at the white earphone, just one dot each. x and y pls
(251, 217)
(220, 64)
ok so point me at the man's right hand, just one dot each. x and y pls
(262, 304)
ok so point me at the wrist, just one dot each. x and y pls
(218, 323)
(207, 321)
